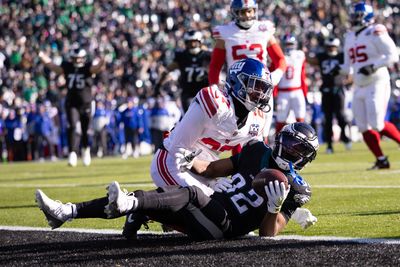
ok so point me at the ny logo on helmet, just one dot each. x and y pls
(236, 67)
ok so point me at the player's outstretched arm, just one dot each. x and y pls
(214, 169)
(272, 224)
(273, 221)
(48, 63)
(98, 66)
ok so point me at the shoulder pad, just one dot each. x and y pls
(212, 101)
(379, 29)
(216, 32)
(266, 25)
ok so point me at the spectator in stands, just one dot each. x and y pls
(43, 128)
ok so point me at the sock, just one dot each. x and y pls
(372, 139)
(74, 211)
(382, 158)
(391, 131)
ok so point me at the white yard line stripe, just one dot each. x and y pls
(356, 186)
(151, 184)
(14, 185)
(282, 237)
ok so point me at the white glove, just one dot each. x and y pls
(222, 185)
(276, 194)
(304, 218)
(184, 158)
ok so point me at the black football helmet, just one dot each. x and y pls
(193, 40)
(77, 55)
(296, 143)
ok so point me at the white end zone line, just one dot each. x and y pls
(385, 241)
(151, 184)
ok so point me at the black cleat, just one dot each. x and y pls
(381, 164)
(133, 223)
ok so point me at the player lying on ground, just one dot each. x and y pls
(234, 211)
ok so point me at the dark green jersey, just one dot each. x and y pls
(245, 208)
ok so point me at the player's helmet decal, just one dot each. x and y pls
(193, 40)
(249, 81)
(77, 55)
(237, 6)
(296, 143)
(361, 15)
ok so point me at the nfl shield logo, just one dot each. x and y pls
(254, 128)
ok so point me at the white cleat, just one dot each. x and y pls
(72, 159)
(119, 202)
(86, 158)
(55, 211)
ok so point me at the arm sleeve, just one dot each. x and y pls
(386, 47)
(304, 85)
(278, 62)
(217, 61)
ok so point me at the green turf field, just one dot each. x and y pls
(347, 199)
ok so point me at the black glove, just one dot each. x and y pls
(367, 70)
(335, 71)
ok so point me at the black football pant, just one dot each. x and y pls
(187, 208)
(333, 106)
(78, 115)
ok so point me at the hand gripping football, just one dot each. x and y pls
(264, 177)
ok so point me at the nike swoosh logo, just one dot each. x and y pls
(130, 219)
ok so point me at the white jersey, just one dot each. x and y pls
(292, 78)
(245, 43)
(217, 129)
(372, 45)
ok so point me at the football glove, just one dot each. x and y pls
(276, 194)
(222, 184)
(184, 158)
(304, 218)
(367, 70)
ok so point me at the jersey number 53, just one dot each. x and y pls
(243, 51)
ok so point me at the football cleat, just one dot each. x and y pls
(381, 164)
(55, 211)
(72, 159)
(86, 158)
(120, 202)
(133, 223)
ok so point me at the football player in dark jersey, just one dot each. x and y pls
(232, 212)
(78, 104)
(192, 63)
(332, 89)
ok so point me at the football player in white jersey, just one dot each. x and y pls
(246, 37)
(217, 120)
(368, 52)
(292, 88)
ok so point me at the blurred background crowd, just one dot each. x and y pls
(137, 39)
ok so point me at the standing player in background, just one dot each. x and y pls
(246, 37)
(292, 88)
(368, 52)
(192, 63)
(78, 103)
(332, 89)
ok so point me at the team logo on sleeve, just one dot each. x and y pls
(254, 129)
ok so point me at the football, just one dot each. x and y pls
(266, 176)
